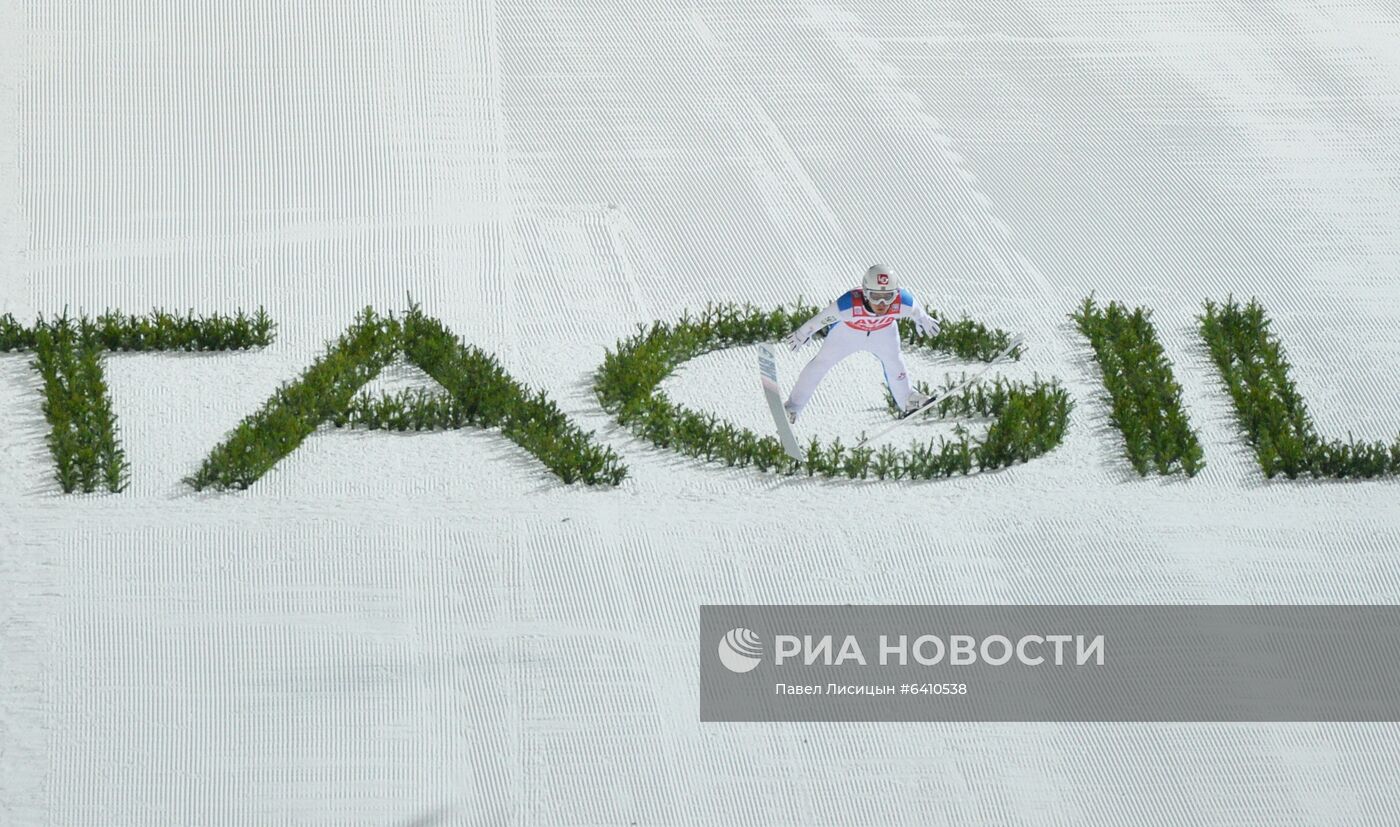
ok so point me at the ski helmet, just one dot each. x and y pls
(879, 285)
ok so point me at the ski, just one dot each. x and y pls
(933, 399)
(768, 373)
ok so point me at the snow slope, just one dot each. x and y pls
(423, 630)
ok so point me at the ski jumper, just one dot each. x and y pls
(855, 328)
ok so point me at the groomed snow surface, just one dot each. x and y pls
(424, 630)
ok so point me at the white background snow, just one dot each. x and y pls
(419, 630)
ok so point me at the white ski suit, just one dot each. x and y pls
(855, 327)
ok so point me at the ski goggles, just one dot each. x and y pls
(881, 296)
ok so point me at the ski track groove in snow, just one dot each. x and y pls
(408, 628)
